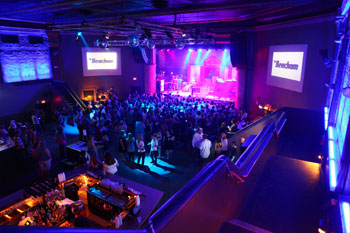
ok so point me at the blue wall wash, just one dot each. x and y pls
(24, 61)
(337, 113)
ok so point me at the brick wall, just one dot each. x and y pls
(24, 61)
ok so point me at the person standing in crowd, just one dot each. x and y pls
(204, 148)
(110, 164)
(27, 137)
(140, 128)
(224, 142)
(86, 127)
(122, 126)
(36, 122)
(196, 141)
(130, 144)
(159, 138)
(169, 144)
(84, 158)
(218, 147)
(35, 136)
(44, 158)
(122, 144)
(154, 149)
(92, 148)
(61, 141)
(19, 146)
(79, 122)
(94, 162)
(12, 129)
(141, 150)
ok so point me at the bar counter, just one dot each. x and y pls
(136, 202)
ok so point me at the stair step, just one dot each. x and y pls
(238, 226)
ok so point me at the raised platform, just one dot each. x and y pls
(287, 197)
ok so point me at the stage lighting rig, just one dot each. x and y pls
(134, 41)
(78, 35)
(102, 43)
(179, 44)
(150, 44)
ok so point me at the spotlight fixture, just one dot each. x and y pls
(102, 43)
(78, 35)
(184, 34)
(133, 41)
(150, 44)
(179, 44)
(106, 36)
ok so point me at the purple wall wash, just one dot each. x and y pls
(24, 61)
(318, 34)
(71, 68)
(22, 99)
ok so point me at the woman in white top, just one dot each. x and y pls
(141, 149)
(110, 164)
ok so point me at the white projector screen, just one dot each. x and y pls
(101, 62)
(286, 66)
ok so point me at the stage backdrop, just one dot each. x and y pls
(199, 72)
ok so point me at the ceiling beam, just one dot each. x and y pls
(191, 8)
(60, 6)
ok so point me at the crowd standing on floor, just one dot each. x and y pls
(155, 126)
(140, 126)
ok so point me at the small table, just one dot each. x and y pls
(73, 152)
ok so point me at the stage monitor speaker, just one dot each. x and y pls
(239, 49)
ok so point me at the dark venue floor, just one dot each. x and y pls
(286, 195)
(167, 176)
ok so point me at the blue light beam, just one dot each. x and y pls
(198, 57)
(188, 56)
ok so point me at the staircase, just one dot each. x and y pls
(68, 95)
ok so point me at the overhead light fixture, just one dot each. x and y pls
(106, 36)
(179, 44)
(102, 43)
(150, 44)
(133, 41)
(184, 34)
(78, 35)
